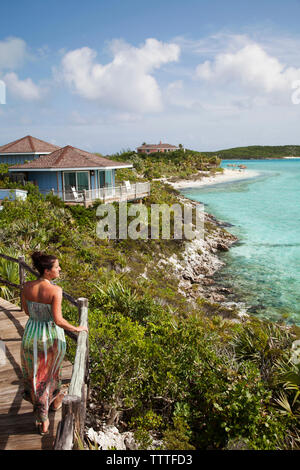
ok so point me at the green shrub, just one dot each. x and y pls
(143, 356)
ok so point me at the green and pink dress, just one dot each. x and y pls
(42, 353)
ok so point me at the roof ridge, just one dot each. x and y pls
(30, 142)
(64, 150)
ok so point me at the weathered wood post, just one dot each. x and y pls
(78, 382)
(69, 423)
(21, 275)
(83, 304)
(71, 426)
(84, 198)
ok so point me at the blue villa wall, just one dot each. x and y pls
(46, 180)
(16, 159)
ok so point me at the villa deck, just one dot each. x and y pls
(129, 192)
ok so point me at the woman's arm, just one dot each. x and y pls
(57, 314)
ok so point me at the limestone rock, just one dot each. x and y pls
(110, 438)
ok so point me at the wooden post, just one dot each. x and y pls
(78, 381)
(83, 304)
(84, 198)
(21, 275)
(74, 404)
(70, 423)
(87, 374)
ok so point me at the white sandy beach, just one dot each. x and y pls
(226, 177)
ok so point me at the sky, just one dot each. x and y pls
(106, 76)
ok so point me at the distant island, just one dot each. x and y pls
(257, 152)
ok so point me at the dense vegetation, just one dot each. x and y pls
(181, 164)
(160, 365)
(257, 151)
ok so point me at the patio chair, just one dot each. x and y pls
(127, 185)
(77, 197)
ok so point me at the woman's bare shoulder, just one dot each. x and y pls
(57, 290)
(28, 284)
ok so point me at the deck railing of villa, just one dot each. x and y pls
(119, 193)
(106, 194)
(71, 427)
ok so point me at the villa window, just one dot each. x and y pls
(105, 179)
(77, 179)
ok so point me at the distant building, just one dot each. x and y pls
(152, 148)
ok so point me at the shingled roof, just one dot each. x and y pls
(69, 157)
(28, 144)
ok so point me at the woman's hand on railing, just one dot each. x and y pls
(81, 328)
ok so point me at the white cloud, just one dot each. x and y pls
(126, 82)
(13, 52)
(24, 89)
(250, 67)
(212, 45)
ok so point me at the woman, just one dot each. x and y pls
(43, 344)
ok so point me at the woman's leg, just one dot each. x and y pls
(45, 425)
(58, 400)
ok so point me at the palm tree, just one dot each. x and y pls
(10, 272)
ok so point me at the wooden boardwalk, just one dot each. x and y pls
(17, 429)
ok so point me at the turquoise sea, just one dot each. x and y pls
(263, 267)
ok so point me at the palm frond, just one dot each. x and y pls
(284, 404)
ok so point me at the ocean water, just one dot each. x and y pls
(263, 267)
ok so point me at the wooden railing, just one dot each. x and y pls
(71, 427)
(106, 194)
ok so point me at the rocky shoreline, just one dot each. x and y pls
(199, 262)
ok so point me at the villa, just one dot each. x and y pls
(152, 148)
(78, 176)
(25, 149)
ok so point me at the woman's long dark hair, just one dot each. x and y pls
(42, 261)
